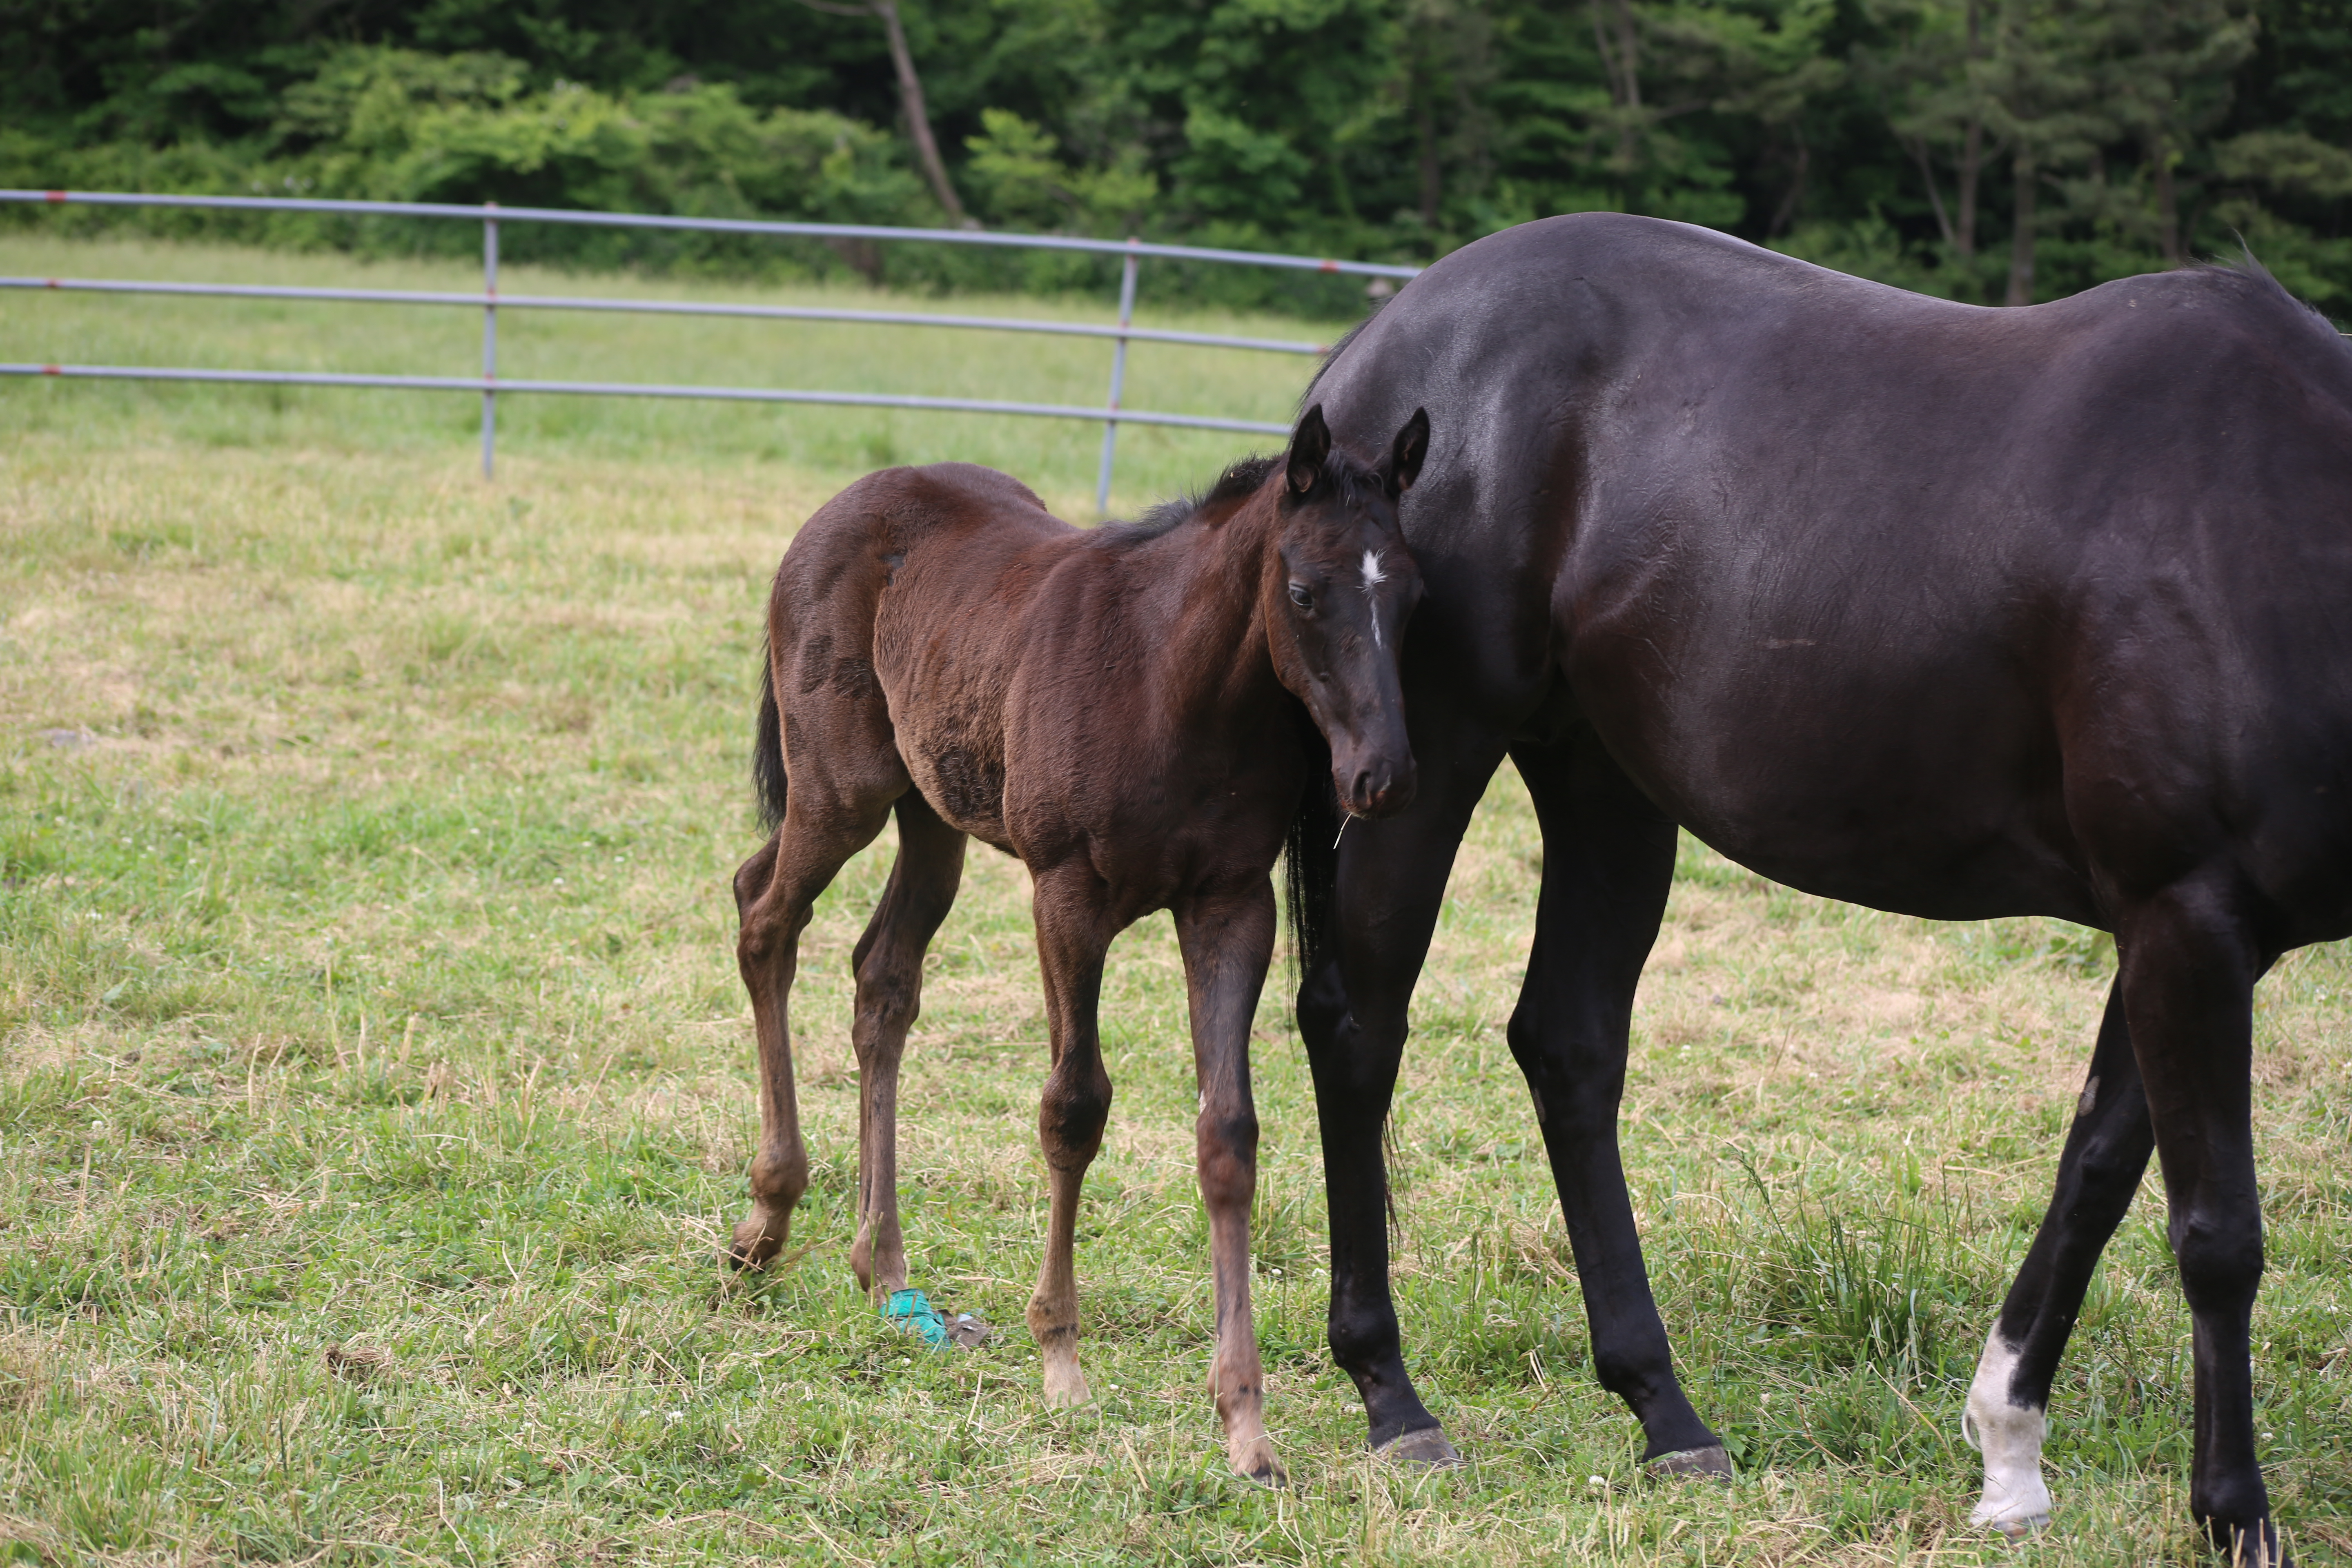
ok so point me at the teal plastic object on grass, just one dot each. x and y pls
(913, 1310)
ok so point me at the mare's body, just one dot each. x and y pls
(1115, 706)
(1944, 610)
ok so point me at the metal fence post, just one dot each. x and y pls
(489, 334)
(1118, 381)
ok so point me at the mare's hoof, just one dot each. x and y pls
(1708, 1464)
(2013, 1529)
(1427, 1447)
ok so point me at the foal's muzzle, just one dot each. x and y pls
(1375, 785)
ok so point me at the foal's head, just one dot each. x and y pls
(1339, 590)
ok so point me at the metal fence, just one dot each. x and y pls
(490, 301)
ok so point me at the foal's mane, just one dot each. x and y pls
(1236, 484)
(1240, 481)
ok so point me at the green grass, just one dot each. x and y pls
(375, 1087)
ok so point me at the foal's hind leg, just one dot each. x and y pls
(1227, 942)
(1074, 933)
(774, 891)
(888, 964)
(2106, 1152)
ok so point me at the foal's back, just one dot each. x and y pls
(898, 625)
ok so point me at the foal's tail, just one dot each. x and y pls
(768, 750)
(1311, 857)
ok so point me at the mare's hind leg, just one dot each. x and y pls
(1609, 861)
(2106, 1152)
(774, 891)
(1074, 933)
(1227, 940)
(2188, 969)
(888, 964)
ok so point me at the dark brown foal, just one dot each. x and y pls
(1120, 708)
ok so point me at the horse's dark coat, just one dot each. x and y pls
(1944, 610)
(1128, 710)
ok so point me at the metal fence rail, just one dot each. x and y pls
(489, 384)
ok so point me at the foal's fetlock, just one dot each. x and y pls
(777, 1182)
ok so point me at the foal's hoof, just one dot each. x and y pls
(1708, 1464)
(1065, 1387)
(1255, 1462)
(752, 1246)
(1427, 1447)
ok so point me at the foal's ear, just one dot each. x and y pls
(1309, 446)
(1403, 465)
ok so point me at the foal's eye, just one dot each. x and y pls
(1301, 597)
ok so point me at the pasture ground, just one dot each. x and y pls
(375, 1088)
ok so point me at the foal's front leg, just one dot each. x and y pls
(1227, 939)
(1074, 933)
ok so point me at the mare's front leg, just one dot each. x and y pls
(2189, 968)
(1352, 1002)
(1074, 933)
(774, 891)
(2107, 1153)
(1608, 864)
(1227, 939)
(888, 964)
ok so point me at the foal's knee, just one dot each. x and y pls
(1228, 1162)
(888, 1001)
(1071, 1113)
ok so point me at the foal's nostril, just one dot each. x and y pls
(1363, 791)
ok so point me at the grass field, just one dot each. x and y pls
(375, 1085)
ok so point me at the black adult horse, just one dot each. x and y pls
(1948, 611)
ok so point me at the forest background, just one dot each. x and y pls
(1995, 151)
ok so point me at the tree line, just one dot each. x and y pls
(1993, 151)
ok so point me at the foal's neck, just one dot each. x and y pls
(1215, 636)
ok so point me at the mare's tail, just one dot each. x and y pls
(768, 750)
(1311, 857)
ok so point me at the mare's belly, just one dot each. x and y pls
(1931, 789)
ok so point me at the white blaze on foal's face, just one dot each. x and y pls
(1373, 578)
